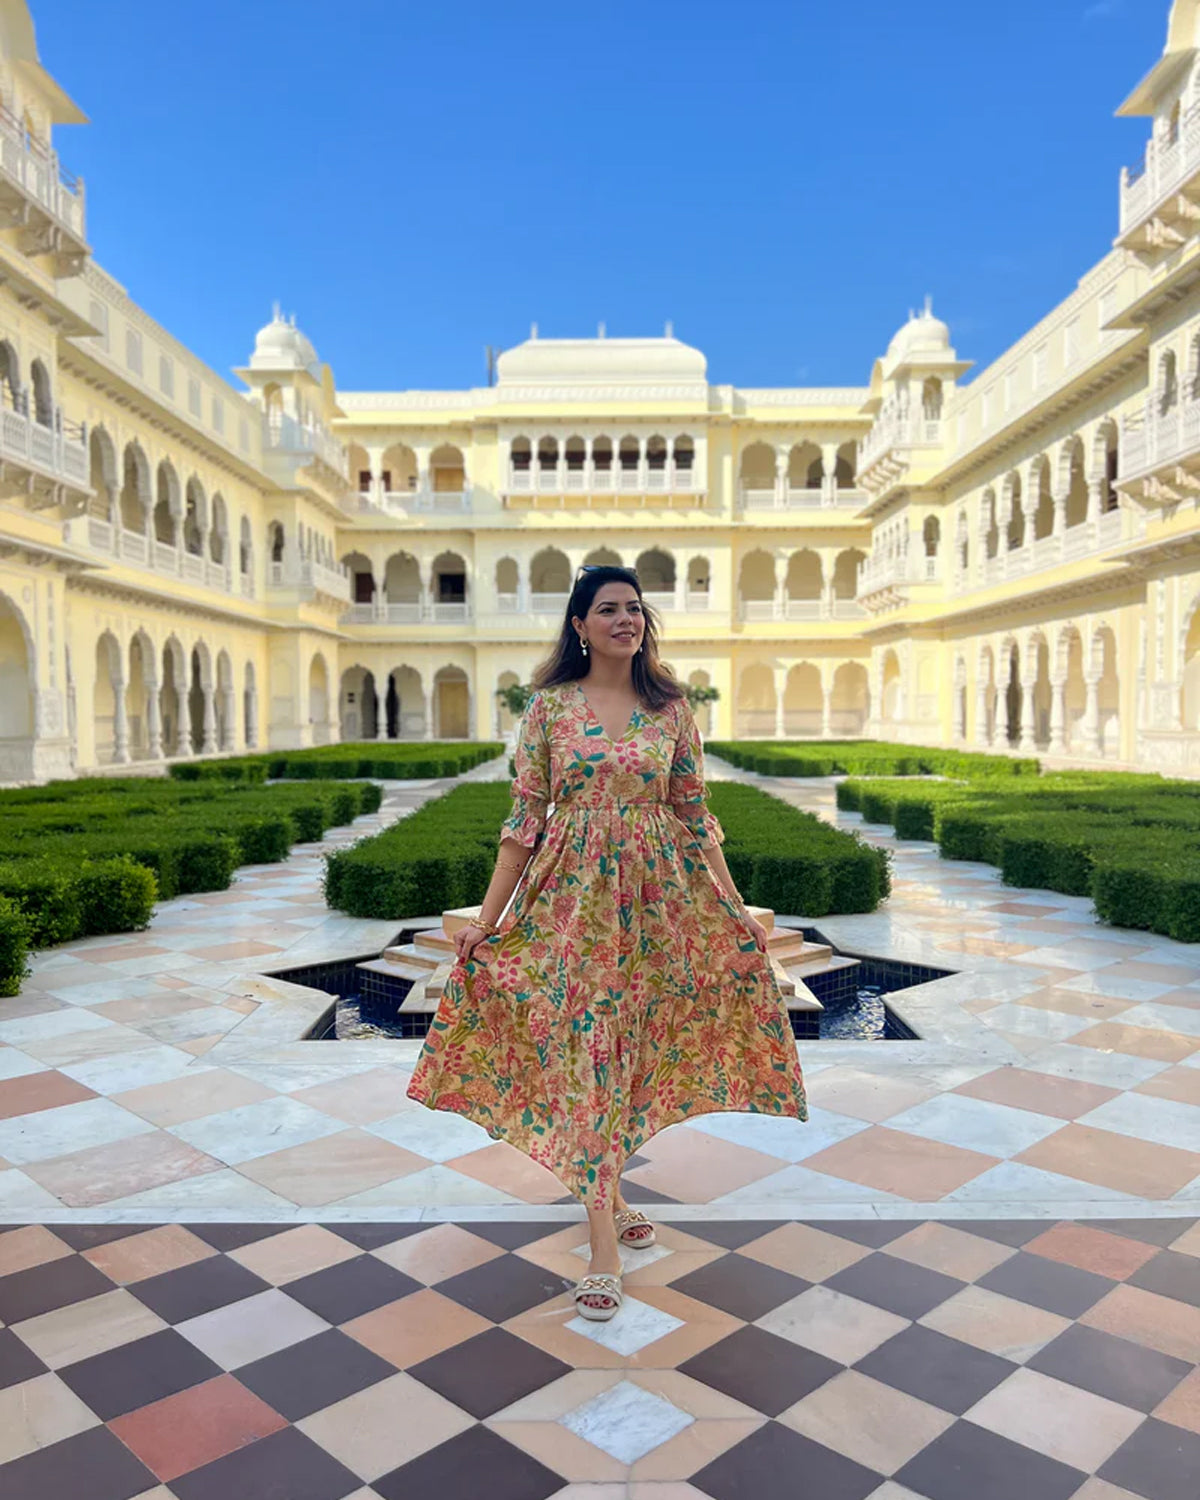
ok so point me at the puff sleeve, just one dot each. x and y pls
(686, 792)
(531, 784)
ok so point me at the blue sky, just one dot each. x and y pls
(781, 178)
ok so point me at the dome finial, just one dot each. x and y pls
(276, 311)
(928, 305)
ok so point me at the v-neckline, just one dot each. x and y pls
(595, 717)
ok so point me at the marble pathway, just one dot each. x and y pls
(1057, 1075)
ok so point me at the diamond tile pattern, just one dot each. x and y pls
(723, 1375)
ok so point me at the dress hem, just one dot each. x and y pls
(500, 1133)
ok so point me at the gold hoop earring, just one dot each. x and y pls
(583, 645)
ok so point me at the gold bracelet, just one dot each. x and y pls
(484, 926)
(504, 864)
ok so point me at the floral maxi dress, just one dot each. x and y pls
(625, 992)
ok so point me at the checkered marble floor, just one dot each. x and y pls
(1066, 1083)
(752, 1360)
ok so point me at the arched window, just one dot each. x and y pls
(1168, 382)
(931, 399)
(275, 541)
(43, 402)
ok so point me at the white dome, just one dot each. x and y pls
(281, 346)
(922, 337)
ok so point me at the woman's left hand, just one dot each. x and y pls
(759, 931)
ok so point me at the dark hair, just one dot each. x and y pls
(653, 682)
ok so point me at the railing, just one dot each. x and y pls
(59, 449)
(309, 575)
(899, 430)
(409, 612)
(1157, 437)
(36, 170)
(588, 478)
(282, 433)
(1042, 553)
(783, 496)
(426, 501)
(1164, 169)
(760, 610)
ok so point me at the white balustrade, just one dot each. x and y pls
(697, 599)
(166, 557)
(283, 433)
(135, 546)
(36, 169)
(1159, 437)
(542, 603)
(193, 567)
(100, 534)
(58, 449)
(1164, 169)
(659, 599)
(588, 478)
(899, 430)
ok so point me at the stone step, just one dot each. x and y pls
(415, 955)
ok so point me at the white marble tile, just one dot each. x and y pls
(1012, 1186)
(787, 1139)
(1100, 982)
(224, 1194)
(237, 1135)
(17, 1064)
(1165, 1121)
(1176, 1018)
(1067, 956)
(634, 1326)
(975, 1124)
(626, 1421)
(795, 1186)
(101, 992)
(22, 1198)
(1030, 1020)
(205, 1020)
(432, 1187)
(439, 1136)
(69, 1127)
(1114, 1070)
(131, 1070)
(286, 1078)
(50, 1024)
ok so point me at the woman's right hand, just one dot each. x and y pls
(465, 940)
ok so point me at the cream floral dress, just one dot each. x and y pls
(626, 991)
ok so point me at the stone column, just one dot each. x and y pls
(1027, 743)
(381, 692)
(829, 473)
(120, 726)
(780, 674)
(208, 745)
(427, 699)
(982, 737)
(251, 720)
(782, 458)
(154, 745)
(1058, 716)
(826, 711)
(781, 567)
(1091, 716)
(1095, 500)
(1060, 512)
(960, 712)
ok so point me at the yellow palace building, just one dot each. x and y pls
(191, 565)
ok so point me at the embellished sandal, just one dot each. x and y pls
(598, 1284)
(632, 1226)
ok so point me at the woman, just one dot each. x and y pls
(629, 988)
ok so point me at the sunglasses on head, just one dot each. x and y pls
(599, 568)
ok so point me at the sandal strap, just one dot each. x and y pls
(600, 1282)
(628, 1217)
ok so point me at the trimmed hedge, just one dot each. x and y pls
(14, 947)
(1129, 841)
(384, 759)
(82, 858)
(443, 855)
(863, 758)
